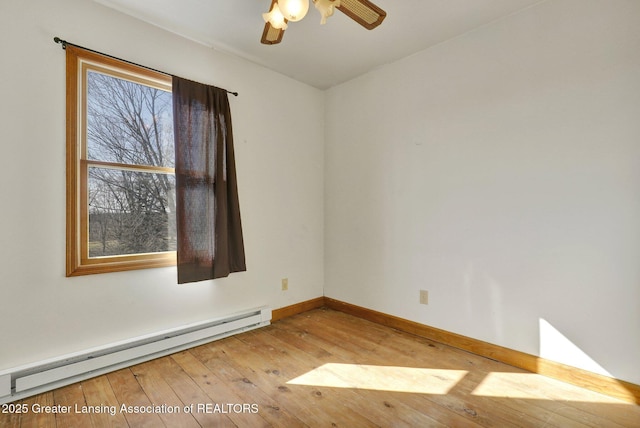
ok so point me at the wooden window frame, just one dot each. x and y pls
(78, 261)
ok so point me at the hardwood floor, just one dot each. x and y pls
(322, 368)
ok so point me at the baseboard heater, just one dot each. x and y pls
(28, 380)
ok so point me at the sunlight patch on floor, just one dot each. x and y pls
(527, 386)
(382, 378)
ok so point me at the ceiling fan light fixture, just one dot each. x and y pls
(281, 12)
(326, 8)
(275, 18)
(293, 10)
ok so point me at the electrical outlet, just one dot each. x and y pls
(424, 297)
(285, 284)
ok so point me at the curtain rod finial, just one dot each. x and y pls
(62, 42)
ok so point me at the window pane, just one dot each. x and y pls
(128, 122)
(130, 212)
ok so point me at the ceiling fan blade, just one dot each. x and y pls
(270, 35)
(363, 12)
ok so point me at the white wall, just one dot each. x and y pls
(280, 179)
(500, 171)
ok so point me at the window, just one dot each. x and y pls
(120, 166)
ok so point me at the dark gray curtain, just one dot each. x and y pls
(209, 231)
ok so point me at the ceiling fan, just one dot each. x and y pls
(281, 12)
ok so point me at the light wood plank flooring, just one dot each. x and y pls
(323, 368)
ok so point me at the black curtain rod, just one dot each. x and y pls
(64, 44)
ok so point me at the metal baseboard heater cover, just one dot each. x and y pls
(28, 380)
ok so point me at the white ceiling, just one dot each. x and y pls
(320, 55)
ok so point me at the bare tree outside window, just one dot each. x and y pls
(130, 153)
